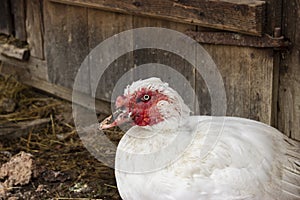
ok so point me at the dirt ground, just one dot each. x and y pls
(40, 125)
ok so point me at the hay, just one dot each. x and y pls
(28, 104)
(55, 146)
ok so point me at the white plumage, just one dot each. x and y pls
(226, 157)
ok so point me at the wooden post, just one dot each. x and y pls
(18, 10)
(6, 23)
(34, 28)
(289, 82)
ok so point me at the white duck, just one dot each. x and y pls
(170, 155)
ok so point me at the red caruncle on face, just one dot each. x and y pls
(143, 107)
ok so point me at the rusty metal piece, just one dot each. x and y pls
(236, 39)
(277, 32)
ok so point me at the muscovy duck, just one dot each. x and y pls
(169, 155)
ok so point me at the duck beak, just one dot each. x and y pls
(119, 117)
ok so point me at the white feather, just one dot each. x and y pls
(227, 158)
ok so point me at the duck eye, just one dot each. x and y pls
(146, 97)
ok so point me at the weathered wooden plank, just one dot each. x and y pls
(66, 43)
(6, 25)
(103, 25)
(34, 68)
(14, 52)
(247, 74)
(236, 39)
(25, 76)
(289, 82)
(18, 10)
(275, 93)
(261, 84)
(66, 93)
(273, 15)
(34, 28)
(176, 62)
(235, 76)
(245, 17)
(273, 23)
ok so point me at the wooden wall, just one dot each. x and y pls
(72, 31)
(248, 77)
(289, 85)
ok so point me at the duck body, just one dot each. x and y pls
(244, 162)
(169, 155)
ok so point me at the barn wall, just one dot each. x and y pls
(66, 42)
(248, 77)
(103, 25)
(289, 90)
(72, 31)
(166, 58)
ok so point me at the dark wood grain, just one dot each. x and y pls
(66, 40)
(273, 22)
(34, 28)
(248, 76)
(289, 82)
(35, 68)
(175, 62)
(103, 25)
(6, 19)
(236, 39)
(19, 15)
(24, 73)
(246, 17)
(273, 15)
